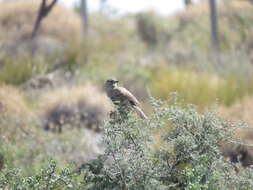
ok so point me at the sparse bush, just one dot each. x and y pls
(155, 30)
(147, 29)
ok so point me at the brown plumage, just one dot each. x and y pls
(121, 96)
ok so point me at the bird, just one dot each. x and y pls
(121, 96)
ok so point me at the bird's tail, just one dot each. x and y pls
(140, 112)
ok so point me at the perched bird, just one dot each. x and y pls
(121, 96)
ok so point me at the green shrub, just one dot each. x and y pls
(190, 159)
(50, 178)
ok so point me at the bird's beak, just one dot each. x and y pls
(116, 81)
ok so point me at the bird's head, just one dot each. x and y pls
(111, 83)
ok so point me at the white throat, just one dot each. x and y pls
(115, 85)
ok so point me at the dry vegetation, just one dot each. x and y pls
(76, 107)
(179, 60)
(18, 28)
(12, 101)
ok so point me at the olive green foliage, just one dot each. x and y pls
(201, 88)
(15, 72)
(18, 70)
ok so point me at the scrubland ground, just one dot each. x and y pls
(53, 105)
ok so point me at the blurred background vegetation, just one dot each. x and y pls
(54, 61)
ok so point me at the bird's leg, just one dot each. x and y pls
(124, 111)
(121, 114)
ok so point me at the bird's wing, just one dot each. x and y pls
(124, 92)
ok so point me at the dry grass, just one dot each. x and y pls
(241, 111)
(196, 88)
(234, 21)
(62, 24)
(15, 115)
(29, 147)
(76, 106)
(12, 101)
(202, 88)
(73, 95)
(240, 5)
(203, 8)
